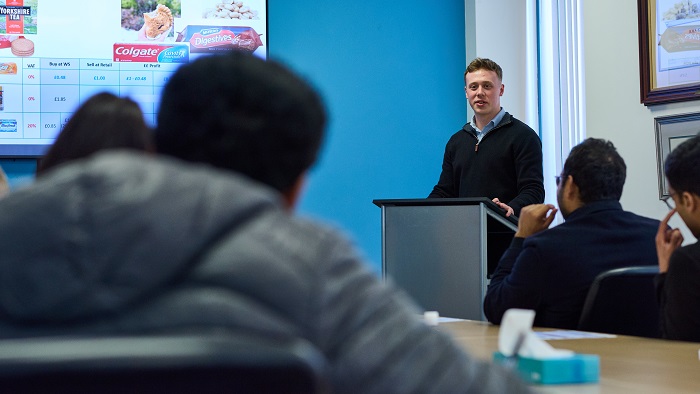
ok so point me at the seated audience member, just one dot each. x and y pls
(551, 270)
(133, 243)
(104, 121)
(678, 282)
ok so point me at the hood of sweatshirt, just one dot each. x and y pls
(97, 235)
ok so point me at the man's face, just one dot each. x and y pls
(683, 212)
(484, 92)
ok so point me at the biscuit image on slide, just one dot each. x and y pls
(149, 20)
(157, 23)
(22, 47)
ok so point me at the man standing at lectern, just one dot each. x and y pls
(494, 155)
(551, 270)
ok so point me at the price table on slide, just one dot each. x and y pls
(39, 98)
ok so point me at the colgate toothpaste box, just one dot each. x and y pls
(151, 53)
(219, 38)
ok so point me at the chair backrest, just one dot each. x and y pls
(160, 364)
(623, 301)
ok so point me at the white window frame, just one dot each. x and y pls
(562, 84)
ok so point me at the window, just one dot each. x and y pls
(561, 87)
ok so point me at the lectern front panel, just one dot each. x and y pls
(435, 254)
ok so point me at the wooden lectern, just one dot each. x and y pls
(442, 251)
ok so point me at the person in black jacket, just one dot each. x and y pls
(678, 282)
(551, 270)
(495, 155)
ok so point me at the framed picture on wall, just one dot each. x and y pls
(669, 50)
(671, 131)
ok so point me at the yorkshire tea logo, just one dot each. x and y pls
(19, 16)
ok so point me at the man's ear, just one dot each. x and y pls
(291, 196)
(571, 188)
(690, 201)
(572, 193)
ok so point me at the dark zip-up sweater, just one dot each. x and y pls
(506, 164)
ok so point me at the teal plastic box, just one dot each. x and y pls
(579, 368)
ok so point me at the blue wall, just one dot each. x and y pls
(19, 172)
(391, 75)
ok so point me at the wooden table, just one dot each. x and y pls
(627, 364)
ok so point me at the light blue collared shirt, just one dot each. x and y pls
(489, 126)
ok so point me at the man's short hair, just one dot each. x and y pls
(483, 64)
(682, 167)
(238, 112)
(597, 169)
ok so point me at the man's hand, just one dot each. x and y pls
(667, 241)
(504, 206)
(535, 218)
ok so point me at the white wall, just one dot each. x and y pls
(613, 110)
(502, 36)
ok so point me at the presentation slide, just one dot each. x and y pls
(56, 54)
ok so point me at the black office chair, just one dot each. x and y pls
(623, 301)
(160, 364)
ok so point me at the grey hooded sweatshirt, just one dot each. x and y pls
(127, 243)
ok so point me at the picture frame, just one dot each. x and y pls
(671, 131)
(669, 50)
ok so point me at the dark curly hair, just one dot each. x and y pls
(598, 170)
(682, 167)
